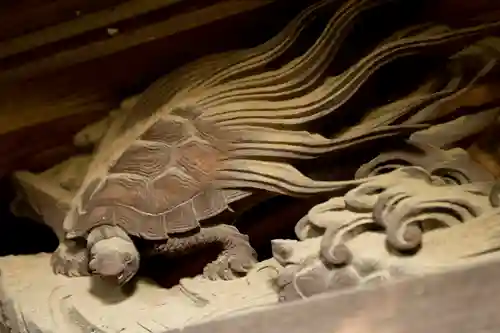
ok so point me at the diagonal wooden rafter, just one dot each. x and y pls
(101, 19)
(76, 52)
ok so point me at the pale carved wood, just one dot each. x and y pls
(364, 237)
(216, 91)
(429, 209)
(432, 303)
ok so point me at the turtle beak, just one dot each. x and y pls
(123, 278)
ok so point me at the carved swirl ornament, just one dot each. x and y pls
(259, 119)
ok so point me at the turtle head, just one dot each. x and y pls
(114, 258)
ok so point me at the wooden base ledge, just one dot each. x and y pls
(461, 300)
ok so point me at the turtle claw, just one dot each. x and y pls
(218, 269)
(70, 260)
(231, 264)
(242, 264)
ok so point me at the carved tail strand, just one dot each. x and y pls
(299, 74)
(393, 113)
(283, 178)
(276, 177)
(213, 69)
(258, 59)
(194, 78)
(336, 90)
(436, 108)
(256, 142)
(294, 81)
(328, 98)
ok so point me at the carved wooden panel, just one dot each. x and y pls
(464, 300)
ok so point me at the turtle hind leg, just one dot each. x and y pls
(237, 256)
(70, 259)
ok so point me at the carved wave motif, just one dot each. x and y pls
(401, 223)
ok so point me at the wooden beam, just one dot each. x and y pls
(81, 49)
(48, 101)
(80, 24)
(19, 17)
(458, 12)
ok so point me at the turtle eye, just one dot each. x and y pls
(127, 257)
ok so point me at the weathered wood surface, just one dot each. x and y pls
(465, 300)
(24, 16)
(52, 107)
(104, 33)
(76, 71)
(457, 11)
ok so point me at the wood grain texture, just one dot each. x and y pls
(457, 12)
(85, 71)
(47, 54)
(81, 23)
(463, 300)
(18, 17)
(55, 102)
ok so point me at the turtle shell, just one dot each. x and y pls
(161, 182)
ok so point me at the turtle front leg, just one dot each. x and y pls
(112, 253)
(235, 260)
(70, 259)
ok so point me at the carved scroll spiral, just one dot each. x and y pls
(365, 196)
(333, 249)
(322, 216)
(405, 215)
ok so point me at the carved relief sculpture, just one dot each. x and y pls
(406, 222)
(183, 153)
(224, 129)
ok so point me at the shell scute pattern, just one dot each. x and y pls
(198, 159)
(168, 131)
(209, 203)
(168, 192)
(210, 132)
(94, 216)
(160, 184)
(116, 190)
(143, 158)
(180, 219)
(139, 224)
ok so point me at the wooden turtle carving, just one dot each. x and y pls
(159, 188)
(207, 134)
